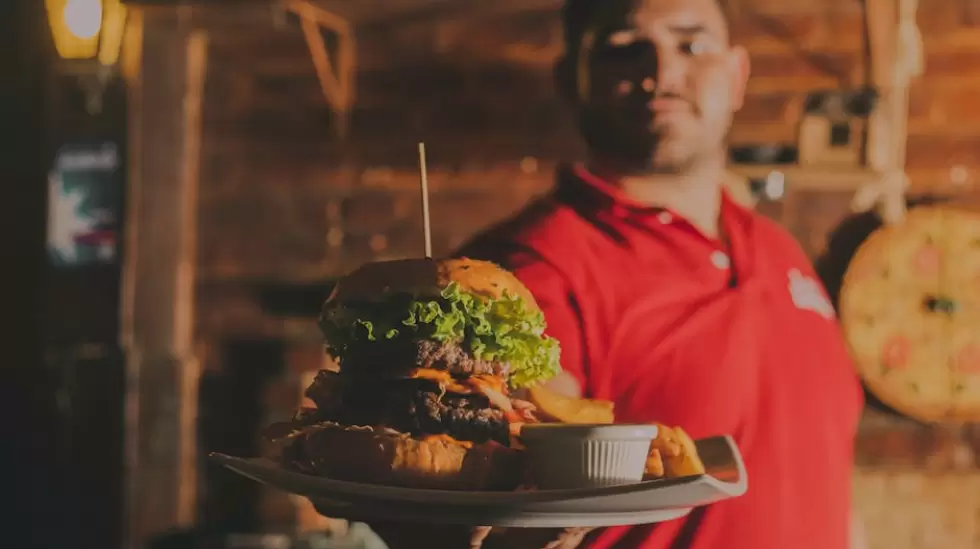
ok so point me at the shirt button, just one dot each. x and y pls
(720, 259)
(665, 217)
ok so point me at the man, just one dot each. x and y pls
(671, 300)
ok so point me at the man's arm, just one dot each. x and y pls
(859, 538)
(566, 384)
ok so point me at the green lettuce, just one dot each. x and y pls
(504, 329)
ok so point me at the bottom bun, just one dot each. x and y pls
(364, 454)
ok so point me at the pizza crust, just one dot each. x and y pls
(910, 309)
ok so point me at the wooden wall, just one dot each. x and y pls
(283, 201)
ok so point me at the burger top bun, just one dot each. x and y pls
(425, 277)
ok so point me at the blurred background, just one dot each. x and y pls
(188, 177)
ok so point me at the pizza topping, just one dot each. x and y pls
(895, 355)
(940, 304)
(928, 261)
(968, 359)
(897, 350)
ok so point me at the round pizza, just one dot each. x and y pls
(910, 309)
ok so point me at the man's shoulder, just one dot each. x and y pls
(777, 239)
(539, 228)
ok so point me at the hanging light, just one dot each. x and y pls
(87, 30)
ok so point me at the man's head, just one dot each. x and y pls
(655, 82)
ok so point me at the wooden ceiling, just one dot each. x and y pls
(376, 11)
(525, 32)
(359, 12)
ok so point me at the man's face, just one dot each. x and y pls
(657, 83)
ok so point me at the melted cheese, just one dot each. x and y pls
(473, 384)
(442, 377)
(493, 387)
(492, 382)
(432, 374)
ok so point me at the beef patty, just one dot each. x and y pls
(414, 406)
(402, 355)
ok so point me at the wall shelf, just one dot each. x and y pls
(798, 177)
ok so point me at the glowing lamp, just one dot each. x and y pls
(87, 30)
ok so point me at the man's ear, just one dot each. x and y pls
(566, 83)
(740, 68)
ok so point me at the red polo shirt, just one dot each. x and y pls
(679, 328)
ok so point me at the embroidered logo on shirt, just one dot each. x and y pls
(807, 294)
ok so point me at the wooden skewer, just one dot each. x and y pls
(425, 202)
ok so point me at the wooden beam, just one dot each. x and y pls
(243, 17)
(159, 297)
(808, 178)
(250, 16)
(132, 61)
(471, 9)
(336, 79)
(895, 53)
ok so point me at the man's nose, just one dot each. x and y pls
(665, 71)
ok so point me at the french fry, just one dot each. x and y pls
(558, 408)
(654, 468)
(672, 454)
(678, 453)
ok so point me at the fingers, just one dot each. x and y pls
(480, 533)
(569, 539)
(535, 538)
(411, 536)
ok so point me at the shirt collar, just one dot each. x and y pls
(600, 202)
(590, 194)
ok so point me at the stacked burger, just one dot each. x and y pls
(429, 352)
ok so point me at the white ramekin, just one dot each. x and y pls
(567, 456)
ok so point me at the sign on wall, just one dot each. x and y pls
(84, 205)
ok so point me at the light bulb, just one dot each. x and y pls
(83, 17)
(775, 185)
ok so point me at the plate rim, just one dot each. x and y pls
(359, 490)
(366, 511)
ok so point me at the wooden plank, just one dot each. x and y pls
(528, 39)
(193, 100)
(164, 370)
(132, 60)
(469, 10)
(367, 15)
(809, 178)
(882, 20)
(888, 125)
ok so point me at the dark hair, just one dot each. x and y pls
(578, 15)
